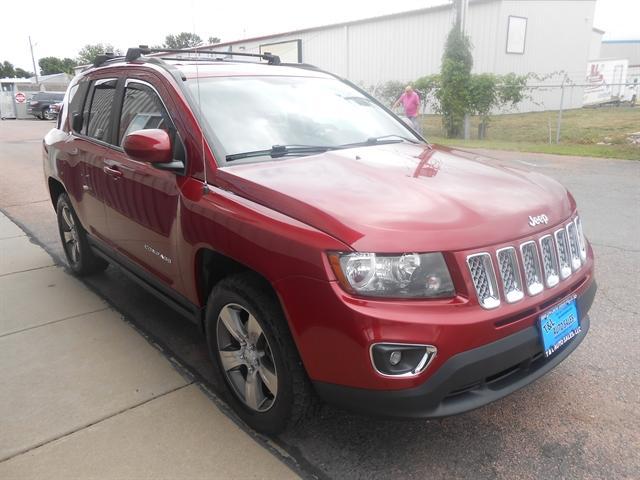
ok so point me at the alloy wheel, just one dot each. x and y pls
(246, 358)
(70, 235)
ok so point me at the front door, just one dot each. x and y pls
(143, 200)
(86, 149)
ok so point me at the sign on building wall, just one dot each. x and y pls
(516, 34)
(289, 51)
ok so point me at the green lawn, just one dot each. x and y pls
(593, 132)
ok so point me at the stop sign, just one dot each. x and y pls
(20, 97)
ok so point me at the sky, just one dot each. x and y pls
(60, 28)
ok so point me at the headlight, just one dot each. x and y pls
(410, 275)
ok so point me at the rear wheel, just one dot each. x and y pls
(251, 346)
(47, 114)
(74, 240)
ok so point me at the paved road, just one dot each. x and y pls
(580, 421)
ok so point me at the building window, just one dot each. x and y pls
(516, 34)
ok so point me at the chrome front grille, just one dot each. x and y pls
(484, 279)
(540, 264)
(531, 266)
(549, 261)
(510, 274)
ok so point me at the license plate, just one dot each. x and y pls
(558, 326)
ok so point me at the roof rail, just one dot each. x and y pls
(135, 53)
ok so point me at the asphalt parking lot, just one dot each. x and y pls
(580, 421)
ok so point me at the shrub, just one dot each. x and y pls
(455, 76)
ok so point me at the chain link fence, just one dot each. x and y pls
(550, 114)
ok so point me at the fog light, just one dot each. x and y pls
(401, 359)
(395, 357)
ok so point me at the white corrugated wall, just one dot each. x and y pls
(405, 47)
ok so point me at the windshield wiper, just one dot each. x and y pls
(280, 151)
(381, 140)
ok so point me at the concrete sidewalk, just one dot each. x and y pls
(83, 395)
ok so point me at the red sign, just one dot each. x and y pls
(20, 97)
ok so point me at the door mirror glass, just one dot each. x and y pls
(150, 145)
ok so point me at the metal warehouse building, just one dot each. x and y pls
(550, 38)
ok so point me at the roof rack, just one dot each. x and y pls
(105, 57)
(135, 53)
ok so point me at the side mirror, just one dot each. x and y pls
(151, 146)
(76, 122)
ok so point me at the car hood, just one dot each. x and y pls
(402, 197)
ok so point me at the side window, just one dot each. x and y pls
(99, 113)
(75, 103)
(141, 110)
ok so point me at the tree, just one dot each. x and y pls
(51, 65)
(7, 70)
(389, 92)
(427, 87)
(22, 73)
(490, 92)
(182, 40)
(483, 96)
(455, 74)
(89, 52)
(213, 40)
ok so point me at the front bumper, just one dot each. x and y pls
(467, 380)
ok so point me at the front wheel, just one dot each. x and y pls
(74, 240)
(251, 346)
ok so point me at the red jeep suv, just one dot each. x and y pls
(323, 246)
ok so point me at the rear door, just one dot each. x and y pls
(143, 200)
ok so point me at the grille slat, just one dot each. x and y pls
(531, 266)
(562, 246)
(484, 279)
(549, 261)
(574, 246)
(581, 239)
(510, 274)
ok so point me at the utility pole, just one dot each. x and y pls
(462, 8)
(464, 11)
(33, 61)
(558, 127)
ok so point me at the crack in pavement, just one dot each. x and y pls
(27, 270)
(26, 203)
(53, 321)
(628, 250)
(614, 304)
(100, 420)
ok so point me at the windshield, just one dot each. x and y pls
(252, 114)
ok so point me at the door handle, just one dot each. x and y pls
(113, 171)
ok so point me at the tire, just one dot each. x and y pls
(47, 114)
(274, 405)
(74, 241)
